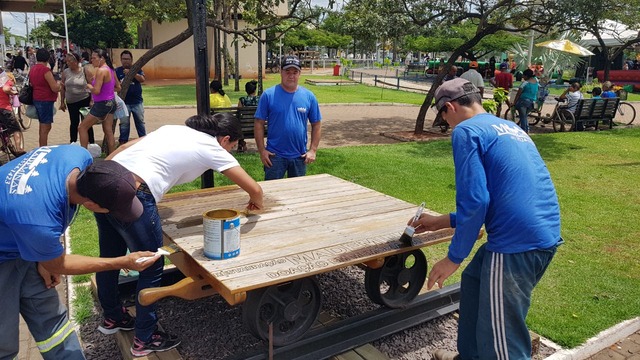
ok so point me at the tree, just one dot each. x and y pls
(487, 16)
(92, 28)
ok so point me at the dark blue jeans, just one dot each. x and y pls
(523, 106)
(137, 111)
(279, 166)
(495, 295)
(115, 237)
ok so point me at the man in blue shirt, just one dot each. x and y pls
(133, 100)
(503, 183)
(41, 194)
(286, 108)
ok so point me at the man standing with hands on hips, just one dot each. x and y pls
(286, 108)
(133, 100)
(503, 183)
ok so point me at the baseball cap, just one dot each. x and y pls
(113, 187)
(473, 64)
(503, 65)
(452, 90)
(291, 61)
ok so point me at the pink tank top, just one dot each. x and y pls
(106, 92)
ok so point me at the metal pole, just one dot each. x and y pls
(199, 21)
(530, 50)
(66, 28)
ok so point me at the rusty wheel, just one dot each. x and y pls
(398, 281)
(291, 307)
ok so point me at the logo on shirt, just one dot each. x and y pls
(302, 110)
(512, 130)
(19, 176)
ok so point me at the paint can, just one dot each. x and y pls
(221, 234)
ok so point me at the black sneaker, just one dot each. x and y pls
(160, 341)
(110, 326)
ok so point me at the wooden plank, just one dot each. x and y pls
(312, 225)
(369, 352)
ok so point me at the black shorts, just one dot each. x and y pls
(8, 119)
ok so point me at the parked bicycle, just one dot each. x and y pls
(19, 109)
(8, 146)
(561, 118)
(625, 114)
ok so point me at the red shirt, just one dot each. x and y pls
(5, 99)
(41, 89)
(504, 80)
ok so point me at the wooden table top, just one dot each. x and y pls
(310, 225)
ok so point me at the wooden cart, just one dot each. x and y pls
(311, 225)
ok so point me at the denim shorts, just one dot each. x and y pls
(101, 109)
(45, 111)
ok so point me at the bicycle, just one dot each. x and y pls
(8, 146)
(561, 118)
(534, 115)
(625, 114)
(19, 109)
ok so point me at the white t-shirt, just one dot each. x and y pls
(572, 100)
(174, 155)
(474, 77)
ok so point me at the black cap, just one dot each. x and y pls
(291, 61)
(113, 187)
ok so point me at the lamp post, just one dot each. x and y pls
(66, 29)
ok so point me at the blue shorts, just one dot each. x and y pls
(45, 111)
(101, 109)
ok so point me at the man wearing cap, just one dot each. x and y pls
(286, 108)
(42, 192)
(502, 79)
(503, 184)
(472, 75)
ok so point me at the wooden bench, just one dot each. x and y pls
(246, 116)
(415, 68)
(592, 112)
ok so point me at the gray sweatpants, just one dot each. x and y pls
(23, 292)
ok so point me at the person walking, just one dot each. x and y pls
(20, 63)
(494, 161)
(44, 191)
(45, 94)
(287, 107)
(133, 100)
(102, 89)
(204, 143)
(502, 79)
(75, 95)
(474, 76)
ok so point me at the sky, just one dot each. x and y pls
(15, 21)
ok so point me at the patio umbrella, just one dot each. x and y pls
(565, 46)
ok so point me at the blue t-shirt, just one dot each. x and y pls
(287, 115)
(609, 94)
(503, 183)
(34, 205)
(134, 92)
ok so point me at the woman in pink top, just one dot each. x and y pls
(102, 89)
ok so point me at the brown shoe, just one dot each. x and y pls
(445, 355)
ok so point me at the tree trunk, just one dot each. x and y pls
(225, 51)
(236, 48)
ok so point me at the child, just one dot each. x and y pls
(596, 92)
(250, 100)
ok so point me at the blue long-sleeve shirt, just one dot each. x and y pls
(503, 183)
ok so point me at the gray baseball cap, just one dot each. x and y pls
(452, 90)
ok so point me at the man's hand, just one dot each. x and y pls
(139, 266)
(50, 280)
(309, 157)
(440, 272)
(428, 222)
(264, 157)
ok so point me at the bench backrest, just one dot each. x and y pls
(611, 108)
(246, 116)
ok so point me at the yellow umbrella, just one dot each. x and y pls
(565, 46)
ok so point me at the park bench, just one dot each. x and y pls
(592, 112)
(245, 115)
(415, 68)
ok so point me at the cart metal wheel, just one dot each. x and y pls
(563, 121)
(398, 281)
(291, 307)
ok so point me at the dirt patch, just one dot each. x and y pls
(411, 136)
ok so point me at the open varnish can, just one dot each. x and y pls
(221, 234)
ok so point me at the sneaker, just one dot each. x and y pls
(445, 355)
(160, 341)
(110, 326)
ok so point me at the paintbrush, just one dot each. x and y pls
(407, 235)
(165, 250)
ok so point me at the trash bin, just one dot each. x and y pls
(336, 70)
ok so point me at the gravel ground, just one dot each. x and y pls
(211, 329)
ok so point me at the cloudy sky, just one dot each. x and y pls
(15, 21)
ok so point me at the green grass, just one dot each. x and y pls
(591, 285)
(82, 304)
(186, 94)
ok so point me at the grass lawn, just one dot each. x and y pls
(592, 283)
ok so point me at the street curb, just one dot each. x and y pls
(601, 341)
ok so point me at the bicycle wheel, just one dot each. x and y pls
(13, 146)
(563, 121)
(625, 114)
(512, 114)
(24, 120)
(534, 117)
